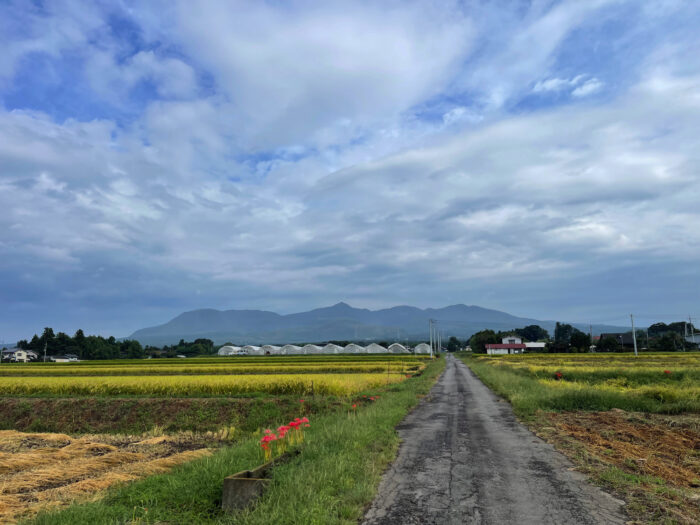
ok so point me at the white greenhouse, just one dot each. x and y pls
(291, 350)
(423, 348)
(271, 350)
(252, 350)
(397, 348)
(374, 348)
(333, 349)
(352, 348)
(312, 349)
(229, 350)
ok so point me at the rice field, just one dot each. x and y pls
(210, 377)
(197, 385)
(237, 368)
(668, 382)
(40, 471)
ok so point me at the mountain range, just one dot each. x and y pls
(338, 322)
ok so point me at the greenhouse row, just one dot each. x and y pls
(352, 348)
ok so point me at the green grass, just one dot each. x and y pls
(331, 481)
(528, 393)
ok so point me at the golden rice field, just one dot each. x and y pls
(391, 366)
(651, 382)
(197, 385)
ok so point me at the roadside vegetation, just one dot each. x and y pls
(631, 423)
(133, 443)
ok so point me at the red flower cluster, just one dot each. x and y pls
(290, 434)
(667, 372)
(558, 376)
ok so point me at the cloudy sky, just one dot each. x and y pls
(538, 157)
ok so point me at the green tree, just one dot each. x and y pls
(609, 344)
(562, 333)
(453, 344)
(132, 349)
(533, 333)
(479, 340)
(47, 339)
(579, 340)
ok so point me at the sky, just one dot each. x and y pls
(536, 157)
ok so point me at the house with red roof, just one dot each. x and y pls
(511, 344)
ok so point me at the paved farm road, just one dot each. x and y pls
(466, 459)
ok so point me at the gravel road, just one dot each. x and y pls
(464, 458)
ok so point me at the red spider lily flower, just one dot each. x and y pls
(267, 431)
(304, 420)
(667, 371)
(307, 425)
(364, 396)
(354, 406)
(301, 401)
(558, 375)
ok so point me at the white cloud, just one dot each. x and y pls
(589, 87)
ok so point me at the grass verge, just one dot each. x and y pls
(331, 481)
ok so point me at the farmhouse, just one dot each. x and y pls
(511, 344)
(18, 355)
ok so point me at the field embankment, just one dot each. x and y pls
(631, 424)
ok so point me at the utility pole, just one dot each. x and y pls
(430, 328)
(634, 335)
(44, 351)
(692, 329)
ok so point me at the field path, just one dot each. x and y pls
(464, 458)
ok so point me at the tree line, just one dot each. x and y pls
(98, 347)
(658, 337)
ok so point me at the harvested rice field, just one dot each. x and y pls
(39, 471)
(653, 460)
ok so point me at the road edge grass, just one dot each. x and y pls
(648, 499)
(332, 481)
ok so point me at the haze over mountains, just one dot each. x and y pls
(338, 322)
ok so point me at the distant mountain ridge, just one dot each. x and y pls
(340, 322)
